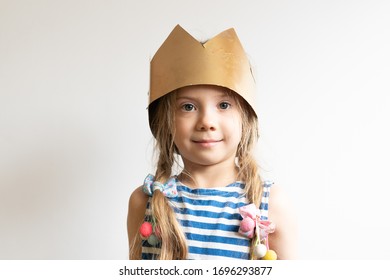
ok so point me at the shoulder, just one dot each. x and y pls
(138, 199)
(283, 213)
(137, 206)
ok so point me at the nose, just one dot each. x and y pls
(207, 120)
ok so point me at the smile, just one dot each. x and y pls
(207, 143)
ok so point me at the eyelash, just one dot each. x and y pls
(193, 106)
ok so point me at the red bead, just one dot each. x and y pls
(146, 229)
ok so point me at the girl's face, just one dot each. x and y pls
(208, 125)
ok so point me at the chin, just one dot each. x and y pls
(206, 161)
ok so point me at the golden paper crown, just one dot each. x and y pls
(183, 61)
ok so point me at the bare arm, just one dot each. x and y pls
(136, 213)
(284, 241)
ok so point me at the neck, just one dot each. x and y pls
(209, 176)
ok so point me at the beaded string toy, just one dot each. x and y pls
(151, 232)
(253, 227)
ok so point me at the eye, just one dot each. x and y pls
(224, 105)
(188, 107)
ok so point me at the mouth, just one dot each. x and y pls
(207, 142)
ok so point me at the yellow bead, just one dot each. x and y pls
(270, 255)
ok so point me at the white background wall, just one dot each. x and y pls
(74, 140)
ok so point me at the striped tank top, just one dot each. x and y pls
(210, 221)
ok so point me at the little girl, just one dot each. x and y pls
(202, 115)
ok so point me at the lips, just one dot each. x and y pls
(206, 143)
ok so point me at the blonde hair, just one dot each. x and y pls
(162, 123)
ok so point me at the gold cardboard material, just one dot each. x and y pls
(183, 61)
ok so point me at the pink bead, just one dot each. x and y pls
(157, 232)
(247, 224)
(146, 229)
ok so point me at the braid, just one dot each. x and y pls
(173, 241)
(248, 168)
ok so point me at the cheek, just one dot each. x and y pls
(238, 132)
(233, 132)
(237, 138)
(235, 127)
(180, 128)
(181, 132)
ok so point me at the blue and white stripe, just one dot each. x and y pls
(210, 221)
(264, 199)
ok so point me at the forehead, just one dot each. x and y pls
(199, 91)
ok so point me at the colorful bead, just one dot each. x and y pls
(146, 230)
(270, 255)
(247, 224)
(157, 231)
(153, 240)
(260, 251)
